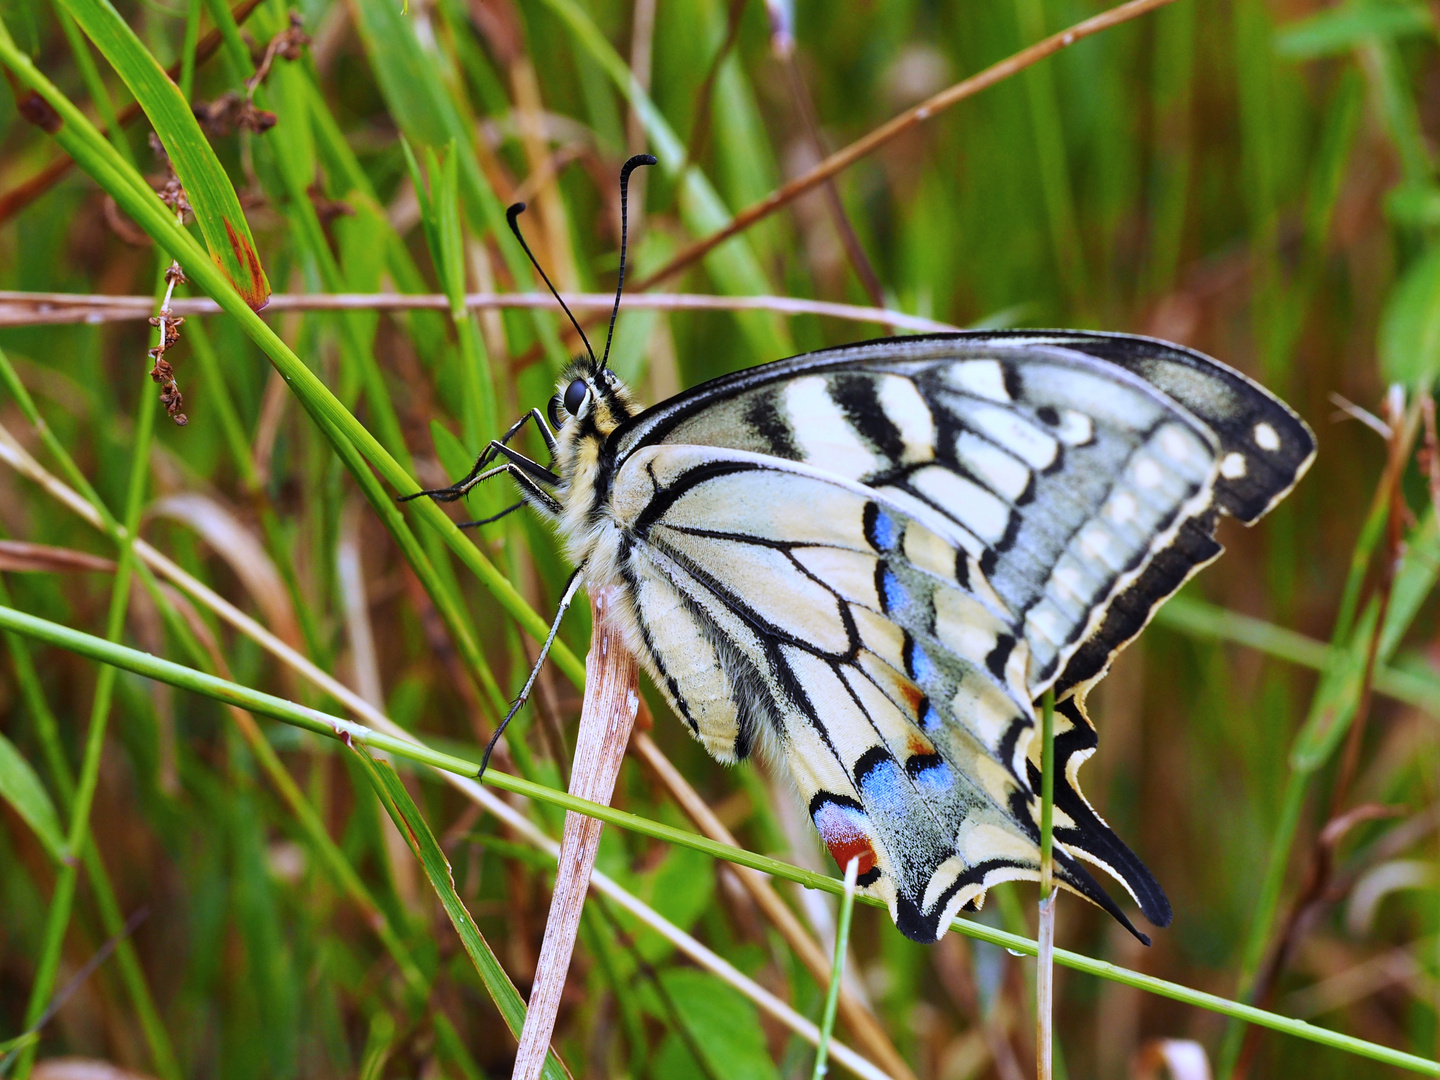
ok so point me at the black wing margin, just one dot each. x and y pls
(1266, 448)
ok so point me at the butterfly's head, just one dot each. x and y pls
(589, 402)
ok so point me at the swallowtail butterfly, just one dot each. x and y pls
(872, 561)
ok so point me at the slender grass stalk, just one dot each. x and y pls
(111, 916)
(188, 47)
(1197, 618)
(329, 855)
(1045, 968)
(837, 967)
(79, 137)
(412, 826)
(94, 84)
(57, 919)
(1331, 710)
(409, 749)
(58, 309)
(1052, 167)
(119, 656)
(606, 720)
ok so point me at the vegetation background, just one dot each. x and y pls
(1255, 178)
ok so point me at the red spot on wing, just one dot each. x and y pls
(843, 830)
(853, 846)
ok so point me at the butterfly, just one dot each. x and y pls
(871, 562)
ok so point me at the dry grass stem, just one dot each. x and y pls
(856, 1016)
(606, 720)
(54, 309)
(843, 159)
(1045, 989)
(26, 192)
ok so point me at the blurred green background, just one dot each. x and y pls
(1254, 179)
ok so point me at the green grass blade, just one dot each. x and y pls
(21, 788)
(336, 728)
(732, 264)
(412, 826)
(211, 195)
(77, 836)
(98, 158)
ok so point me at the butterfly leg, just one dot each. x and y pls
(492, 518)
(497, 448)
(529, 489)
(577, 578)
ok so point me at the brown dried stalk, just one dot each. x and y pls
(784, 48)
(1045, 985)
(54, 309)
(890, 130)
(606, 720)
(953, 965)
(236, 112)
(1428, 457)
(173, 196)
(869, 1035)
(289, 43)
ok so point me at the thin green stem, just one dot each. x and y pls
(1197, 618)
(94, 82)
(62, 900)
(330, 856)
(187, 49)
(1331, 710)
(111, 917)
(1045, 968)
(837, 968)
(115, 656)
(334, 727)
(1052, 167)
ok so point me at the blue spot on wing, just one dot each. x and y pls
(884, 788)
(881, 530)
(918, 664)
(935, 779)
(892, 593)
(929, 716)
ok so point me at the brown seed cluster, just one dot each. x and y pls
(289, 44)
(162, 373)
(233, 111)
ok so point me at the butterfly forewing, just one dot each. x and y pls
(1056, 475)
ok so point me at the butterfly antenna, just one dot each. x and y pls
(625, 171)
(510, 216)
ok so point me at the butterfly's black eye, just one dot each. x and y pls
(575, 396)
(556, 419)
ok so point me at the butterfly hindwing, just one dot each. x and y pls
(775, 600)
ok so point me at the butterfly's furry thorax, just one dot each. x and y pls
(581, 459)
